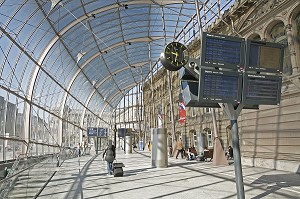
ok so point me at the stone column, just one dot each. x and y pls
(291, 46)
(159, 154)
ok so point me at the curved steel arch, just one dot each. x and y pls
(113, 96)
(105, 105)
(98, 85)
(79, 20)
(58, 37)
(144, 39)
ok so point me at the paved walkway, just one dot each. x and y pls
(85, 177)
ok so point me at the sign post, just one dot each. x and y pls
(233, 114)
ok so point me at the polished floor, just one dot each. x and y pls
(86, 177)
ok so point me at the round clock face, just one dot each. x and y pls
(176, 55)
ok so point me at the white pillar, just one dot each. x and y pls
(159, 154)
(128, 147)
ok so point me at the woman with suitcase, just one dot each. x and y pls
(109, 155)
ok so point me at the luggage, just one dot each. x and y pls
(118, 169)
(118, 172)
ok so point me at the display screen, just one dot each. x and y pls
(190, 95)
(220, 86)
(222, 51)
(263, 56)
(124, 132)
(261, 89)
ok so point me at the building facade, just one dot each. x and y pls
(269, 136)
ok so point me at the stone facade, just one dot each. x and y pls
(270, 136)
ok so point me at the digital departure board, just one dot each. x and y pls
(190, 91)
(261, 89)
(122, 132)
(220, 86)
(264, 56)
(222, 51)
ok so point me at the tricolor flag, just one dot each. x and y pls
(182, 113)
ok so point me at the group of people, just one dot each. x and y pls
(191, 152)
(109, 153)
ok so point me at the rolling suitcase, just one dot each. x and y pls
(118, 169)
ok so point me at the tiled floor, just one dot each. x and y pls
(86, 178)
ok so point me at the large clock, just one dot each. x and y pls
(175, 56)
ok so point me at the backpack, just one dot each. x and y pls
(109, 155)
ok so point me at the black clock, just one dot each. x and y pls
(175, 56)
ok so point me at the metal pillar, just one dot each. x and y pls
(159, 152)
(233, 115)
(169, 82)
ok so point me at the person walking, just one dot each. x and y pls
(179, 147)
(109, 156)
(149, 146)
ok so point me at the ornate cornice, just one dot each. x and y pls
(262, 12)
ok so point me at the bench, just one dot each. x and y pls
(208, 153)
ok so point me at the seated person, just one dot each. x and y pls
(190, 155)
(194, 151)
(229, 154)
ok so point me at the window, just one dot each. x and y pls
(195, 139)
(206, 110)
(193, 112)
(209, 135)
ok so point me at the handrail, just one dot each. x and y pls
(13, 175)
(14, 139)
(7, 183)
(45, 144)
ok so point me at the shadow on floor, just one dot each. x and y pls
(277, 182)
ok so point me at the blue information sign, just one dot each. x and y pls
(102, 132)
(92, 131)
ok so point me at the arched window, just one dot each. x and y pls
(209, 135)
(278, 35)
(255, 37)
(194, 134)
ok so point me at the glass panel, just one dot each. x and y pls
(10, 120)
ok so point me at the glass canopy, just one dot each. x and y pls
(63, 61)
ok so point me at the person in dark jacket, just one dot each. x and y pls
(109, 155)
